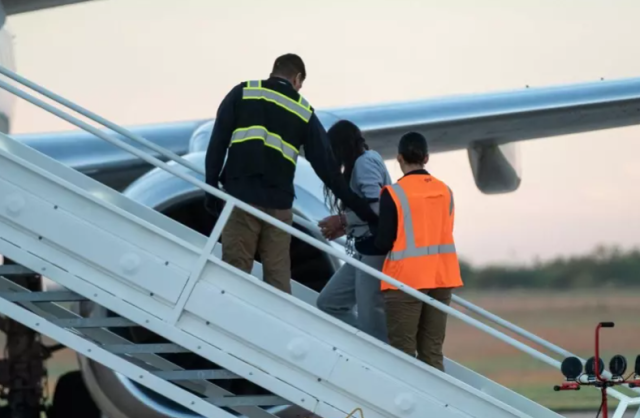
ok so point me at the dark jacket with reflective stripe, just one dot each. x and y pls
(264, 127)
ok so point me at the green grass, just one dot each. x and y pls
(565, 319)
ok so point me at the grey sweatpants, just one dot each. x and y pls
(350, 287)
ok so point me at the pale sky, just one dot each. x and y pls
(143, 61)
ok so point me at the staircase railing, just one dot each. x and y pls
(232, 203)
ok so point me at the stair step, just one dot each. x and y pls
(115, 322)
(15, 270)
(260, 400)
(56, 296)
(197, 375)
(163, 348)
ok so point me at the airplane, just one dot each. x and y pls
(487, 126)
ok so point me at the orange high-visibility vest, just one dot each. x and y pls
(424, 253)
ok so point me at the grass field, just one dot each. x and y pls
(566, 319)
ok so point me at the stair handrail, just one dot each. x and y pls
(232, 202)
(305, 223)
(190, 165)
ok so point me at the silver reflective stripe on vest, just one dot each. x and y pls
(281, 100)
(420, 251)
(270, 139)
(304, 102)
(411, 249)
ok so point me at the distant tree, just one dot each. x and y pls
(605, 266)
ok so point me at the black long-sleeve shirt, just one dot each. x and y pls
(385, 235)
(317, 150)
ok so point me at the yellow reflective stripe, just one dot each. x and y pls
(253, 83)
(279, 99)
(268, 133)
(270, 139)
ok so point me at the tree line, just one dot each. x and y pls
(603, 267)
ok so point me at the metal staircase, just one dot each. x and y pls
(160, 277)
(101, 336)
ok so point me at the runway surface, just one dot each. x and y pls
(592, 414)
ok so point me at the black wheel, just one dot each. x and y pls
(71, 399)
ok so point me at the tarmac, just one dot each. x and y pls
(592, 414)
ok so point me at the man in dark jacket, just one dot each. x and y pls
(263, 124)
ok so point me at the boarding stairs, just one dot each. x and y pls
(155, 274)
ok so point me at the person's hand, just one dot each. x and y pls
(332, 227)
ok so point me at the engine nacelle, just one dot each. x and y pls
(117, 396)
(495, 168)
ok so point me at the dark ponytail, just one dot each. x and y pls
(347, 145)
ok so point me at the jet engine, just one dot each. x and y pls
(496, 168)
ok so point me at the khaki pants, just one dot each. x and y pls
(244, 234)
(416, 326)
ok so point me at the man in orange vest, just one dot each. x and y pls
(416, 232)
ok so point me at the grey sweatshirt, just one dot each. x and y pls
(369, 176)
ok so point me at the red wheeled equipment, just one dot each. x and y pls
(572, 370)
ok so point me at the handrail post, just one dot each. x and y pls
(637, 413)
(216, 232)
(621, 409)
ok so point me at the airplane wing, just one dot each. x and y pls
(486, 125)
(453, 123)
(106, 162)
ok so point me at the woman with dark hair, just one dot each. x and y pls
(365, 172)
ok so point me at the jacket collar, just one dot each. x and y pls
(281, 80)
(420, 171)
